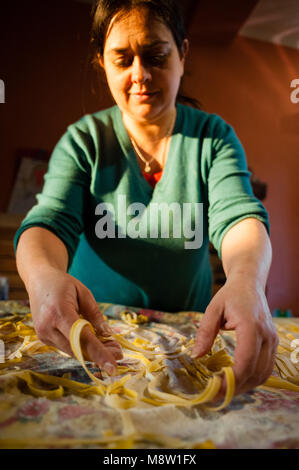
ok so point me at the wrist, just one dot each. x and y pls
(247, 278)
(39, 273)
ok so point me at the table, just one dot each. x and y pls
(262, 418)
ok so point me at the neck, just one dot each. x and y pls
(150, 131)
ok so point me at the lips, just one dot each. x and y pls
(145, 93)
(144, 96)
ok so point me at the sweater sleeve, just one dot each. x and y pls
(60, 205)
(230, 194)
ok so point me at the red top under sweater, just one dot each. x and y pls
(154, 178)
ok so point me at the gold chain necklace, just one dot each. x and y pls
(147, 168)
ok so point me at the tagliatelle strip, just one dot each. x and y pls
(277, 382)
(230, 389)
(36, 382)
(128, 345)
(158, 397)
(110, 441)
(75, 333)
(147, 363)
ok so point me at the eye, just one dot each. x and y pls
(156, 59)
(150, 60)
(123, 62)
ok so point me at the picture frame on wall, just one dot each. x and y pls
(31, 168)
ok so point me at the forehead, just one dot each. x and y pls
(137, 28)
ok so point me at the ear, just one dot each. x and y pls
(184, 50)
(183, 54)
(101, 60)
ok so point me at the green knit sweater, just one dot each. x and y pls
(138, 255)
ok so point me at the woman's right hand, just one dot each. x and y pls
(56, 300)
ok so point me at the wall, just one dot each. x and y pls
(43, 50)
(247, 82)
(43, 62)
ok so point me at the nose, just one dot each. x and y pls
(140, 74)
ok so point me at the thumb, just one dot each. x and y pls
(207, 331)
(89, 308)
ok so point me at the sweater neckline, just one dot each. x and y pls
(128, 150)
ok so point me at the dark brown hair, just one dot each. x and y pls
(167, 11)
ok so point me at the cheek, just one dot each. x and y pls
(172, 81)
(119, 83)
(174, 73)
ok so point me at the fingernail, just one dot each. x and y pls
(194, 353)
(109, 368)
(106, 330)
(116, 351)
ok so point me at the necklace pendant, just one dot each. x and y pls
(147, 168)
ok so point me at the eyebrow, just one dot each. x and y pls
(120, 50)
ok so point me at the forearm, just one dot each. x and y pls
(247, 253)
(39, 249)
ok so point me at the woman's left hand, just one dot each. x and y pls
(241, 306)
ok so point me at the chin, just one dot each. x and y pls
(148, 111)
(143, 111)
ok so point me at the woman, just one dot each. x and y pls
(81, 241)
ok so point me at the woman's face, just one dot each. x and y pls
(142, 65)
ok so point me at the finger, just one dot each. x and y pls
(265, 363)
(248, 349)
(118, 355)
(264, 368)
(260, 376)
(207, 331)
(93, 348)
(91, 311)
(97, 352)
(115, 351)
(60, 342)
(114, 348)
(222, 391)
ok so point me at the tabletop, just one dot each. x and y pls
(265, 417)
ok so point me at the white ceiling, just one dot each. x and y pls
(275, 21)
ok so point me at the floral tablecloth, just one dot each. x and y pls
(261, 418)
